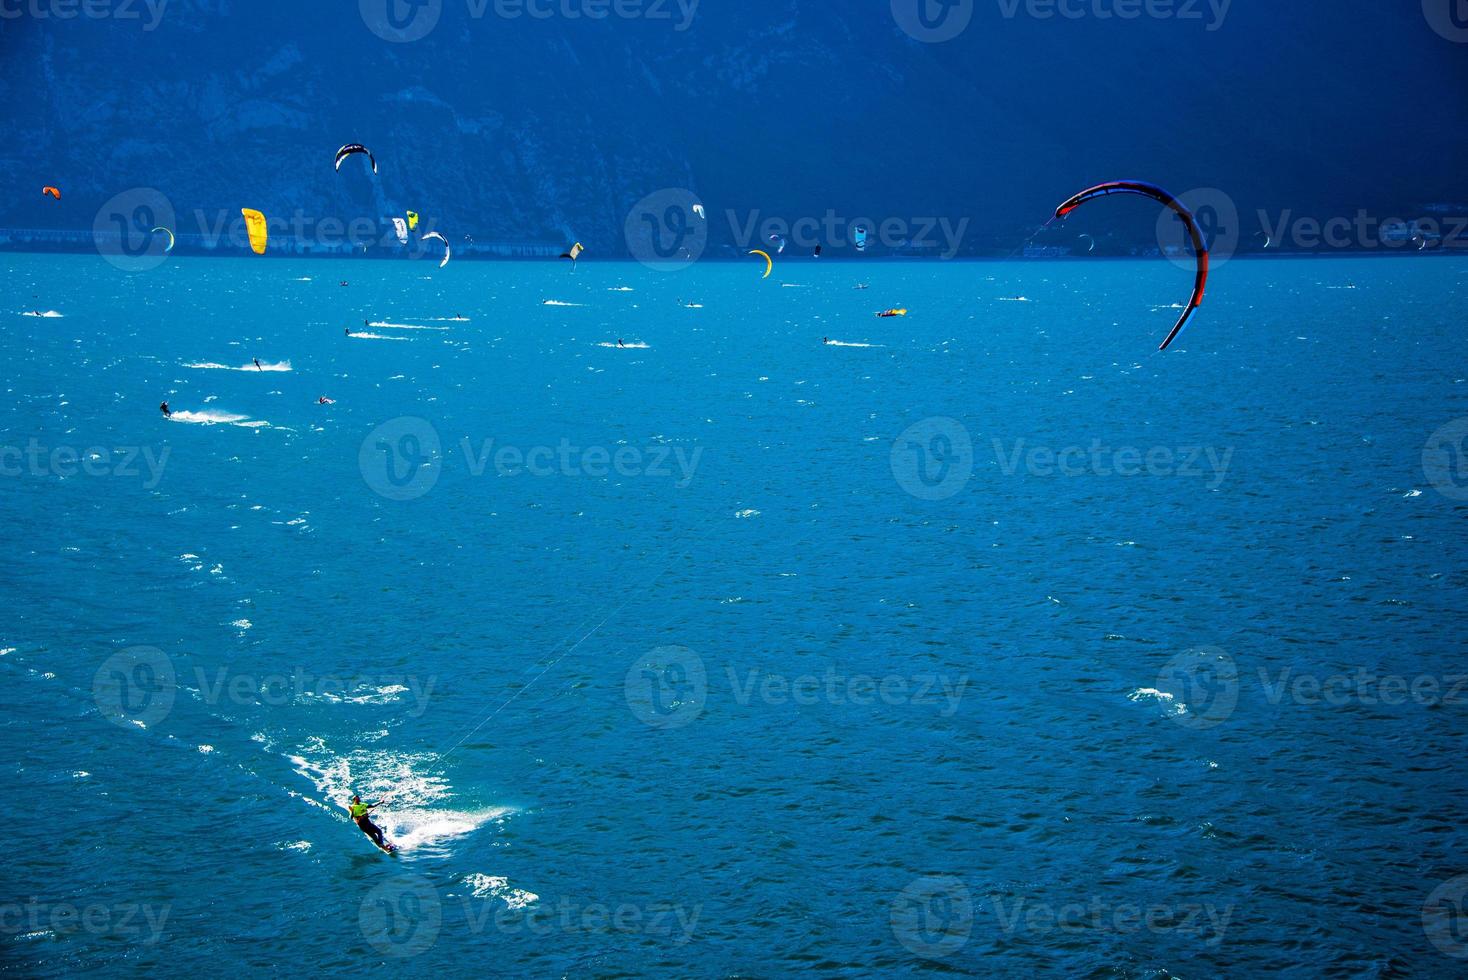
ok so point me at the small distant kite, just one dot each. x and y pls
(817, 253)
(698, 210)
(1091, 239)
(769, 262)
(169, 246)
(860, 237)
(1200, 244)
(352, 148)
(255, 225)
(900, 311)
(779, 242)
(53, 191)
(401, 227)
(448, 253)
(412, 220)
(573, 253)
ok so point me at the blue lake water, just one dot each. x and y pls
(988, 640)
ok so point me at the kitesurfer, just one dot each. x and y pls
(257, 365)
(165, 410)
(360, 811)
(619, 342)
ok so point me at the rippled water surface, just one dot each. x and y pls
(986, 640)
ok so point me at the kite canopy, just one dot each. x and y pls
(573, 253)
(1200, 244)
(352, 148)
(169, 246)
(769, 262)
(53, 191)
(401, 227)
(448, 253)
(255, 225)
(412, 220)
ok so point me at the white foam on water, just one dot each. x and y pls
(207, 418)
(845, 343)
(556, 302)
(493, 886)
(636, 345)
(265, 366)
(49, 314)
(363, 335)
(384, 325)
(405, 780)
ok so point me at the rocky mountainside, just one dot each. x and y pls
(523, 128)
